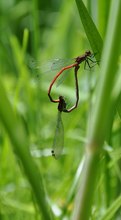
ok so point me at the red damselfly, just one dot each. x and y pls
(87, 59)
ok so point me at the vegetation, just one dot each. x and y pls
(85, 182)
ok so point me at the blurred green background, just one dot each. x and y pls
(53, 29)
(42, 30)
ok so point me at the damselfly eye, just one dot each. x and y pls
(88, 53)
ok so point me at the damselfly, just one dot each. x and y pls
(86, 58)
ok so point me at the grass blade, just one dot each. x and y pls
(111, 211)
(20, 143)
(90, 29)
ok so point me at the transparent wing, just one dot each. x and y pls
(60, 63)
(58, 142)
(50, 65)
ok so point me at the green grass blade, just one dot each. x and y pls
(111, 211)
(108, 71)
(25, 39)
(90, 29)
(103, 13)
(20, 143)
(35, 25)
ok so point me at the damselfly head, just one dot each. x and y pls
(88, 53)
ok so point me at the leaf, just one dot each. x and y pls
(90, 29)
